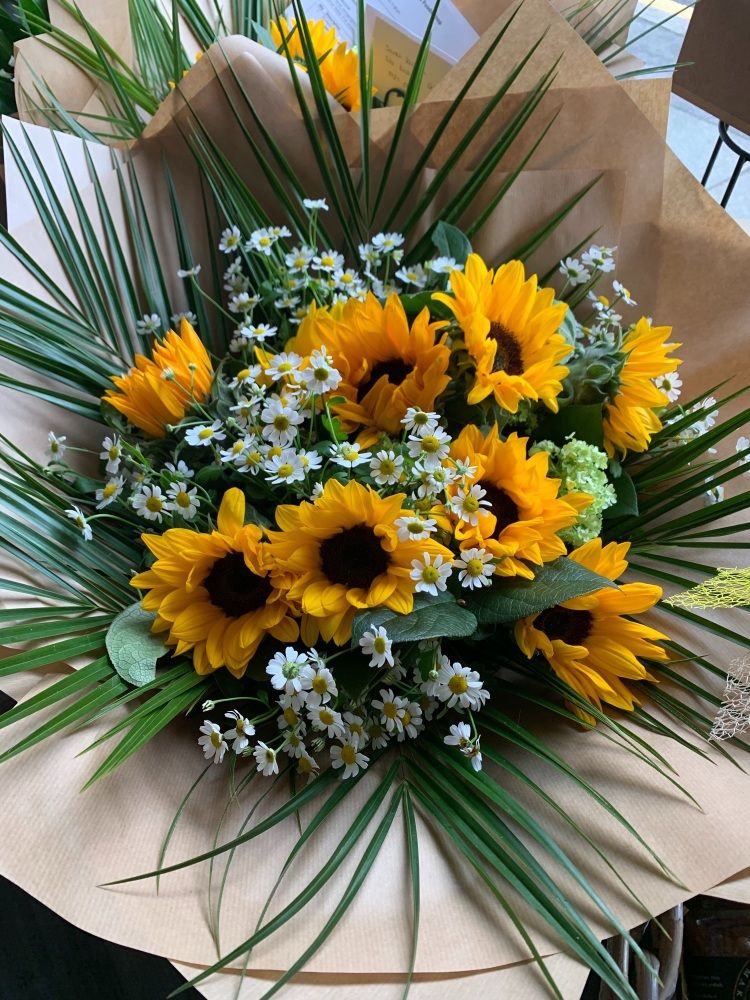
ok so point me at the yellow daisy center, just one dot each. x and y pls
(407, 718)
(475, 567)
(389, 710)
(471, 504)
(387, 467)
(216, 740)
(320, 685)
(290, 717)
(182, 499)
(430, 574)
(305, 765)
(206, 433)
(109, 490)
(321, 374)
(349, 754)
(458, 684)
(430, 444)
(154, 504)
(285, 470)
(281, 422)
(114, 452)
(379, 645)
(326, 717)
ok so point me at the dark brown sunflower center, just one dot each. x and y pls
(508, 354)
(572, 627)
(354, 557)
(501, 505)
(234, 588)
(396, 369)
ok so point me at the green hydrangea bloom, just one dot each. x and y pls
(581, 467)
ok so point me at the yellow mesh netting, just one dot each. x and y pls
(730, 588)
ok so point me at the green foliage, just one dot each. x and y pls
(438, 617)
(512, 598)
(133, 648)
(449, 241)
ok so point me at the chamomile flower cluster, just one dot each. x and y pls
(313, 723)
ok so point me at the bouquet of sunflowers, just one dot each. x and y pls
(358, 499)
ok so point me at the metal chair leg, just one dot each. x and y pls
(711, 162)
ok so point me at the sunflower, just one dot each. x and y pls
(524, 514)
(386, 366)
(630, 420)
(216, 593)
(588, 643)
(341, 553)
(160, 390)
(510, 329)
(339, 64)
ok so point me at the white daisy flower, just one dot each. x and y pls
(387, 242)
(240, 732)
(328, 261)
(262, 241)
(368, 254)
(265, 759)
(377, 645)
(391, 708)
(230, 240)
(416, 276)
(242, 302)
(377, 734)
(77, 515)
(149, 323)
(290, 717)
(623, 293)
(315, 204)
(282, 365)
(307, 765)
(348, 756)
(284, 468)
(431, 447)
(181, 470)
(600, 258)
(150, 502)
(476, 568)
(212, 742)
(321, 375)
(260, 331)
(348, 455)
(460, 736)
(317, 491)
(355, 728)
(189, 272)
(443, 265)
(56, 446)
(474, 754)
(293, 699)
(459, 685)
(714, 495)
(467, 504)
(670, 385)
(205, 434)
(294, 745)
(325, 720)
(281, 421)
(184, 500)
(387, 468)
(287, 670)
(431, 576)
(111, 453)
(574, 271)
(414, 527)
(234, 452)
(299, 258)
(110, 491)
(419, 421)
(411, 722)
(395, 672)
(246, 377)
(310, 461)
(321, 684)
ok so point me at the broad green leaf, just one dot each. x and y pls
(583, 420)
(627, 498)
(451, 242)
(432, 618)
(511, 599)
(133, 648)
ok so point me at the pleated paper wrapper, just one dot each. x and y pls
(687, 263)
